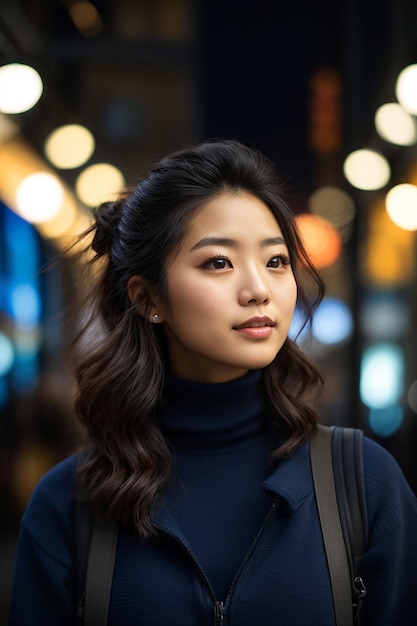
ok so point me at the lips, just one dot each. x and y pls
(255, 322)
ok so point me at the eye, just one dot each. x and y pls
(278, 261)
(217, 263)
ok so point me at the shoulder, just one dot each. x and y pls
(43, 571)
(380, 467)
(57, 484)
(389, 496)
(50, 508)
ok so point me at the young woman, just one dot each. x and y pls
(199, 413)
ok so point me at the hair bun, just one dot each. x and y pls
(107, 219)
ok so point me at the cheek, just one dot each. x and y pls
(191, 301)
(294, 295)
(288, 295)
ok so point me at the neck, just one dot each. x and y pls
(213, 415)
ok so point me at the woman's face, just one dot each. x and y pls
(231, 292)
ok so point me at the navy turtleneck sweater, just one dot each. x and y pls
(214, 510)
(221, 447)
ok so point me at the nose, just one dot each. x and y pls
(254, 290)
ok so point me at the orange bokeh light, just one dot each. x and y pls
(322, 241)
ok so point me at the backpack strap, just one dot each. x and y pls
(82, 537)
(94, 557)
(99, 576)
(347, 454)
(337, 466)
(336, 459)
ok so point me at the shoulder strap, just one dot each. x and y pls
(82, 535)
(94, 555)
(336, 457)
(99, 576)
(322, 466)
(347, 454)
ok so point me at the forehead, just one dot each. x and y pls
(236, 215)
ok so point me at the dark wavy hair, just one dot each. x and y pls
(120, 376)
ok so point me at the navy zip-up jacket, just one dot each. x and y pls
(238, 538)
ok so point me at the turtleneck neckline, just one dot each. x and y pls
(213, 416)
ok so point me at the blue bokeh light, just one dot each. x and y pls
(21, 298)
(385, 422)
(382, 376)
(332, 323)
(25, 305)
(6, 354)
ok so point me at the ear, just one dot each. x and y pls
(140, 295)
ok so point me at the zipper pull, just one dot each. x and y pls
(218, 613)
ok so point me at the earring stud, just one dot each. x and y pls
(155, 318)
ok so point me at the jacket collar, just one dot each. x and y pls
(292, 480)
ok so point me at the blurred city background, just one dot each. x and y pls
(91, 92)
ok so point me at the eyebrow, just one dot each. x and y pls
(232, 243)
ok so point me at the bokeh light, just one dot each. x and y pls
(332, 323)
(366, 169)
(386, 421)
(381, 376)
(333, 204)
(69, 146)
(322, 241)
(388, 254)
(25, 306)
(406, 88)
(85, 17)
(20, 88)
(6, 354)
(99, 183)
(401, 205)
(395, 125)
(39, 197)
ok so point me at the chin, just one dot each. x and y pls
(257, 364)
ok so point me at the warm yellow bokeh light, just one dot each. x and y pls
(85, 17)
(401, 205)
(406, 88)
(39, 197)
(20, 88)
(366, 169)
(69, 146)
(18, 161)
(388, 253)
(99, 183)
(322, 241)
(395, 125)
(62, 222)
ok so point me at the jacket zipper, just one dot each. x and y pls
(252, 549)
(218, 613)
(219, 606)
